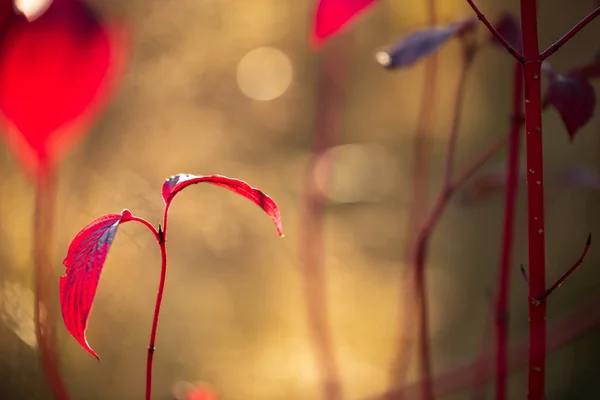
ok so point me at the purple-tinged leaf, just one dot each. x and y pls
(177, 183)
(509, 28)
(84, 263)
(580, 177)
(420, 44)
(574, 99)
(590, 70)
(487, 185)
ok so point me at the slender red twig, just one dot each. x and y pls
(333, 72)
(535, 200)
(496, 34)
(425, 231)
(564, 276)
(569, 35)
(44, 310)
(418, 203)
(562, 332)
(161, 239)
(512, 186)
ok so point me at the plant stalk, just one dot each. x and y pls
(417, 207)
(535, 199)
(510, 200)
(161, 238)
(333, 76)
(425, 233)
(44, 307)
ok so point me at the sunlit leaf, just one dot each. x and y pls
(84, 262)
(420, 44)
(332, 15)
(177, 183)
(509, 28)
(575, 100)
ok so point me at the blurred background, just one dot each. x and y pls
(231, 87)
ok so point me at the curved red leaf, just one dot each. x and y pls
(332, 15)
(420, 44)
(84, 263)
(575, 100)
(55, 72)
(177, 183)
(509, 27)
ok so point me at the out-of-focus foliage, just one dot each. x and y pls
(197, 99)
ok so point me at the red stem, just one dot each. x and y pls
(332, 83)
(562, 332)
(161, 238)
(569, 35)
(512, 184)
(535, 200)
(418, 206)
(427, 228)
(564, 276)
(44, 310)
(496, 34)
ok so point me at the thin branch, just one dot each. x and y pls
(564, 276)
(561, 333)
(518, 56)
(569, 35)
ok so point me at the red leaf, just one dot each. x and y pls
(177, 183)
(509, 28)
(580, 176)
(574, 99)
(590, 70)
(187, 391)
(332, 15)
(487, 185)
(55, 73)
(420, 44)
(84, 263)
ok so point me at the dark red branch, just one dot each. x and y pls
(569, 35)
(425, 231)
(512, 184)
(562, 332)
(496, 34)
(536, 230)
(418, 202)
(564, 276)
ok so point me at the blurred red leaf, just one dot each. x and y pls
(84, 262)
(580, 176)
(420, 44)
(590, 70)
(332, 15)
(187, 391)
(177, 183)
(574, 99)
(55, 73)
(487, 185)
(509, 28)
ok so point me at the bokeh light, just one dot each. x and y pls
(264, 73)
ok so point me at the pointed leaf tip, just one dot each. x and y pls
(177, 183)
(84, 262)
(421, 43)
(575, 100)
(333, 15)
(589, 239)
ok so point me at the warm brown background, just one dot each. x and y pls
(233, 314)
